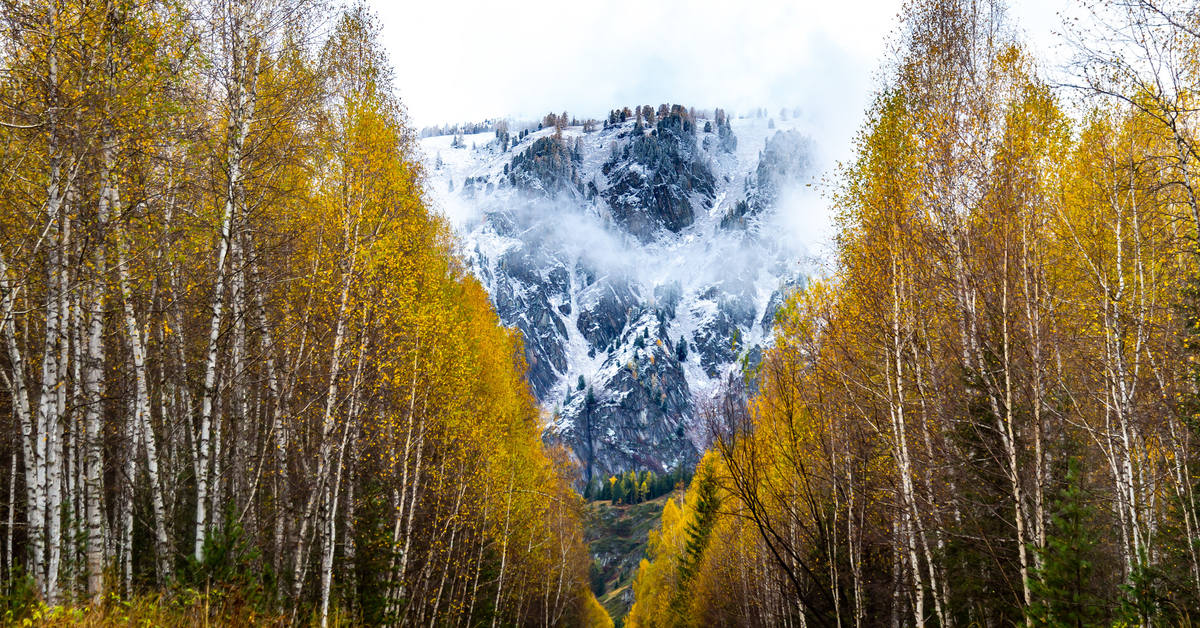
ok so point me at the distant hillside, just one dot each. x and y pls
(617, 538)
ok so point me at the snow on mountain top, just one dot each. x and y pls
(596, 302)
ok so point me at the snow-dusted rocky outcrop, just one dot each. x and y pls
(641, 265)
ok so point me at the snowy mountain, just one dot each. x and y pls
(642, 264)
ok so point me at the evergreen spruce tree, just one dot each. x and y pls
(698, 531)
(618, 492)
(1063, 586)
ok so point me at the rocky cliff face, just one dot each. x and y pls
(656, 181)
(641, 265)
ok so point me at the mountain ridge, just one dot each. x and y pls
(642, 263)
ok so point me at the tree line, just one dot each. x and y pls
(984, 414)
(635, 487)
(239, 358)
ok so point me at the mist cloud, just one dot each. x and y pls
(573, 232)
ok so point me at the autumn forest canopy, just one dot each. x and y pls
(985, 413)
(246, 377)
(243, 372)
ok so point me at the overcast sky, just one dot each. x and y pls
(463, 60)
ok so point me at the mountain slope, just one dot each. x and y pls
(641, 263)
(617, 538)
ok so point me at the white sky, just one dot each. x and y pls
(466, 60)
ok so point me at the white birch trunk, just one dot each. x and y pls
(241, 99)
(503, 553)
(332, 492)
(141, 419)
(1008, 438)
(30, 429)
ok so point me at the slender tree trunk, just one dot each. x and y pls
(903, 456)
(141, 419)
(240, 93)
(30, 427)
(332, 492)
(1007, 429)
(503, 552)
(93, 437)
(328, 423)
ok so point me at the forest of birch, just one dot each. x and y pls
(239, 357)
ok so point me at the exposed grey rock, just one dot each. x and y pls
(719, 341)
(525, 290)
(656, 177)
(784, 160)
(667, 297)
(778, 297)
(604, 311)
(637, 416)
